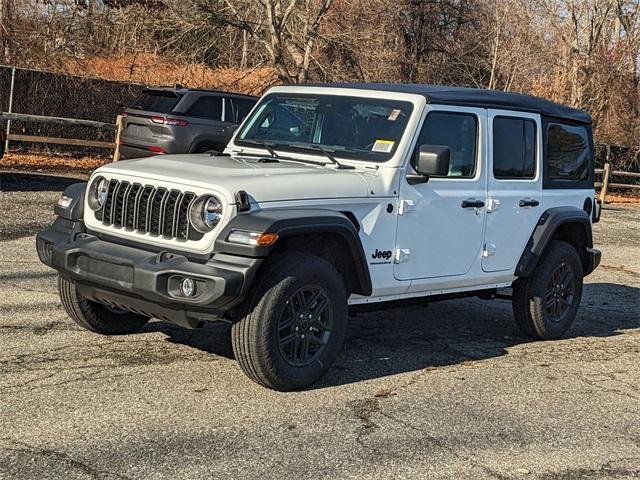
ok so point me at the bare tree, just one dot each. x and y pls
(286, 29)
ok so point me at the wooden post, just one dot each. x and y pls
(116, 150)
(10, 109)
(605, 182)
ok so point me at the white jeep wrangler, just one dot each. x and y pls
(337, 198)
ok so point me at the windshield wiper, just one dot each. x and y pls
(328, 152)
(268, 146)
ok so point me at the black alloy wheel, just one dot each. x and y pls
(560, 292)
(305, 326)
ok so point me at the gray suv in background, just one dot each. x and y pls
(181, 120)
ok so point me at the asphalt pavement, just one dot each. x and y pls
(450, 391)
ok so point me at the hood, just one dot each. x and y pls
(264, 182)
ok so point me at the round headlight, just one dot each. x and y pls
(102, 191)
(211, 212)
(206, 213)
(98, 193)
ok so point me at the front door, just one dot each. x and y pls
(514, 187)
(440, 222)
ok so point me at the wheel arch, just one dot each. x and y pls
(329, 234)
(569, 224)
(212, 142)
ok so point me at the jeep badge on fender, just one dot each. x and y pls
(382, 254)
(271, 236)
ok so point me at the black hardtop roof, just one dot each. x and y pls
(475, 97)
(180, 89)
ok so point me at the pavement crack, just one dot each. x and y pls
(440, 444)
(61, 457)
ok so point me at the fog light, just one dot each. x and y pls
(188, 287)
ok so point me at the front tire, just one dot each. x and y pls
(296, 324)
(96, 317)
(546, 304)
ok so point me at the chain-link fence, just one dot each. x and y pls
(56, 95)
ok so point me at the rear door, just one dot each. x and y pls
(514, 188)
(206, 114)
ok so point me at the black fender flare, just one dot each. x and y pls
(543, 232)
(75, 210)
(290, 222)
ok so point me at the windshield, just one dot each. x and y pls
(351, 127)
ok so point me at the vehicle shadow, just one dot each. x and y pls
(34, 182)
(213, 338)
(453, 332)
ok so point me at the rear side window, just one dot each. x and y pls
(458, 131)
(240, 108)
(207, 107)
(156, 101)
(514, 148)
(568, 153)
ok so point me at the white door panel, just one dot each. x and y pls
(437, 235)
(514, 204)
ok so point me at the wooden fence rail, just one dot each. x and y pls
(606, 184)
(76, 122)
(24, 117)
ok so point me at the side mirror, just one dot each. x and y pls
(433, 160)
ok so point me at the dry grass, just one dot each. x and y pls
(154, 70)
(49, 163)
(622, 198)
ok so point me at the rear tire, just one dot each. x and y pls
(296, 324)
(207, 148)
(546, 304)
(96, 317)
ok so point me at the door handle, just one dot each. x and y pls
(472, 203)
(528, 202)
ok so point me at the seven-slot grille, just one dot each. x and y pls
(147, 209)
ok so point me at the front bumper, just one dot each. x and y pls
(142, 281)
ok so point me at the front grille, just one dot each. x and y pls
(147, 209)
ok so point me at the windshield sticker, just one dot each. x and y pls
(384, 146)
(394, 114)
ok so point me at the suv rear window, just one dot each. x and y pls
(568, 153)
(156, 101)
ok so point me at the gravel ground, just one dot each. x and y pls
(447, 391)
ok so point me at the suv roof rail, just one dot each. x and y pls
(177, 86)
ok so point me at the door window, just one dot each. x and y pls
(459, 132)
(514, 151)
(207, 107)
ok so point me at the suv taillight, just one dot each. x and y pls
(169, 121)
